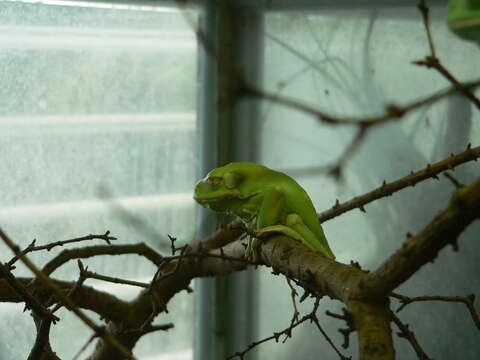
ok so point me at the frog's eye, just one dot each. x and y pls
(232, 179)
(214, 181)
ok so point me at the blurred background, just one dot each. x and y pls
(115, 105)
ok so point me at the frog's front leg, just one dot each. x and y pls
(249, 219)
(269, 214)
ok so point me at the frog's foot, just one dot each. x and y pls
(276, 229)
(251, 252)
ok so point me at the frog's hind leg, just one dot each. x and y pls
(295, 222)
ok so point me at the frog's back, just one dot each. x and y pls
(296, 198)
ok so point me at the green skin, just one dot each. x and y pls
(463, 18)
(267, 201)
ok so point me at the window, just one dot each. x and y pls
(98, 101)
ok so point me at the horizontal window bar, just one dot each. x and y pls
(73, 38)
(35, 212)
(98, 123)
(131, 5)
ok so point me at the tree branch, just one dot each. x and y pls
(410, 336)
(31, 301)
(418, 250)
(432, 61)
(392, 112)
(112, 340)
(430, 171)
(105, 237)
(90, 251)
(104, 304)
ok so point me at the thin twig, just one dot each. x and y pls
(317, 323)
(469, 302)
(31, 247)
(392, 112)
(454, 181)
(432, 61)
(85, 346)
(347, 317)
(422, 6)
(74, 288)
(276, 336)
(410, 336)
(91, 251)
(287, 333)
(92, 275)
(151, 328)
(336, 169)
(293, 294)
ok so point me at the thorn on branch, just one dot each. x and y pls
(149, 329)
(172, 243)
(306, 294)
(454, 244)
(356, 264)
(394, 111)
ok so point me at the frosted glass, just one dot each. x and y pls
(94, 99)
(353, 63)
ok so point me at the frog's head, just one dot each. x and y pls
(222, 188)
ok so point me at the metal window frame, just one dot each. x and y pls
(223, 306)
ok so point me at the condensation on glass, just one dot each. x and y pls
(354, 63)
(97, 133)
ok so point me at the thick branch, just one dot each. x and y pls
(102, 303)
(30, 300)
(372, 323)
(316, 272)
(418, 250)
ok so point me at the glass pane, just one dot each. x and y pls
(354, 63)
(97, 102)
